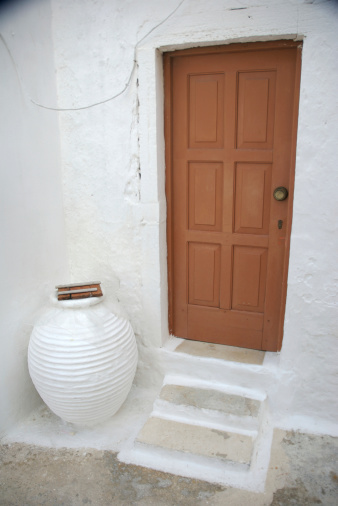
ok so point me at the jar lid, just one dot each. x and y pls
(76, 303)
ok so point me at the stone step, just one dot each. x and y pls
(210, 407)
(190, 465)
(236, 367)
(197, 440)
(207, 398)
(206, 430)
(191, 450)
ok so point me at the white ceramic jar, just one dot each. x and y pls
(82, 360)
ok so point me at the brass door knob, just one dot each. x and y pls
(280, 193)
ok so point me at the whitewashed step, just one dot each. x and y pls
(197, 440)
(208, 406)
(190, 466)
(202, 430)
(208, 465)
(206, 398)
(218, 364)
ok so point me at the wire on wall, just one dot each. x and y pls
(107, 99)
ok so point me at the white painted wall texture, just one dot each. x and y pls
(113, 163)
(33, 246)
(112, 158)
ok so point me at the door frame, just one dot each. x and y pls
(167, 66)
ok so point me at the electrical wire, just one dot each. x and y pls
(107, 99)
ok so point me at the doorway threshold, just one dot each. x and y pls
(221, 352)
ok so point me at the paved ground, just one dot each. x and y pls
(303, 471)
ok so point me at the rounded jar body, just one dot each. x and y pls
(82, 360)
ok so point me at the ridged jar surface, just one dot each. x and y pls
(82, 362)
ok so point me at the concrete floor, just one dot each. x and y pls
(303, 471)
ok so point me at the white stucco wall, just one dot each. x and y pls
(33, 248)
(113, 165)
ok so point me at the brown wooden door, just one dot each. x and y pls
(230, 141)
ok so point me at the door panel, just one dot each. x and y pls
(230, 127)
(205, 195)
(256, 105)
(249, 278)
(243, 329)
(205, 110)
(252, 198)
(204, 274)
